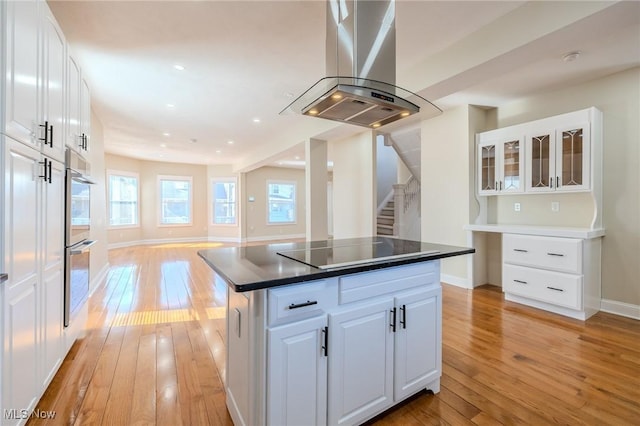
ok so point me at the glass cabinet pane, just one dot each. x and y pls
(572, 152)
(540, 161)
(488, 168)
(511, 165)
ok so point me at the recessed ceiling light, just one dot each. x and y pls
(289, 94)
(375, 125)
(178, 67)
(230, 142)
(297, 157)
(218, 151)
(193, 140)
(167, 134)
(171, 106)
(313, 112)
(163, 145)
(256, 120)
(571, 56)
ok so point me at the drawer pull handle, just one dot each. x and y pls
(521, 282)
(302, 305)
(554, 288)
(556, 254)
(521, 250)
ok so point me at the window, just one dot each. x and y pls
(224, 201)
(123, 198)
(282, 202)
(175, 200)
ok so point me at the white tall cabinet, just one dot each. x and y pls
(33, 126)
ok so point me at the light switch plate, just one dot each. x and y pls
(516, 207)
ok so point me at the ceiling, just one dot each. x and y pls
(244, 61)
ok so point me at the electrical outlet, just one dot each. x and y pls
(516, 207)
(555, 206)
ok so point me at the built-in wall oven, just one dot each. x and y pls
(77, 233)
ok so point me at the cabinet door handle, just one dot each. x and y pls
(50, 136)
(556, 254)
(520, 282)
(48, 179)
(557, 182)
(325, 339)
(521, 250)
(302, 305)
(555, 288)
(403, 317)
(46, 132)
(500, 185)
(551, 183)
(45, 163)
(393, 320)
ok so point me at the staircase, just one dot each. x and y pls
(385, 219)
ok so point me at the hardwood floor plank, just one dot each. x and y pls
(154, 353)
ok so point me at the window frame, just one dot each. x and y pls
(215, 181)
(122, 173)
(159, 204)
(295, 201)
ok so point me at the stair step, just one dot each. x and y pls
(385, 227)
(385, 231)
(384, 220)
(387, 212)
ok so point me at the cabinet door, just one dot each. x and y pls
(511, 176)
(418, 359)
(297, 377)
(85, 115)
(573, 158)
(22, 78)
(360, 362)
(487, 170)
(53, 264)
(541, 164)
(73, 134)
(54, 85)
(20, 303)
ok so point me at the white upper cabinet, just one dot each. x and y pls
(555, 155)
(20, 24)
(558, 159)
(53, 86)
(85, 116)
(500, 165)
(34, 63)
(74, 131)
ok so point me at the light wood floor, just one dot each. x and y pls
(154, 354)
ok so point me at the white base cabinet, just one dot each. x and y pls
(561, 275)
(335, 351)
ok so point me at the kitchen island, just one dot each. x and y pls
(330, 332)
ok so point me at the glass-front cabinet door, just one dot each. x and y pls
(572, 158)
(500, 166)
(558, 160)
(511, 171)
(488, 178)
(541, 161)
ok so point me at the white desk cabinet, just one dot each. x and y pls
(561, 275)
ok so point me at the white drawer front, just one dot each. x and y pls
(300, 301)
(547, 286)
(383, 281)
(559, 254)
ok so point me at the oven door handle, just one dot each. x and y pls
(81, 247)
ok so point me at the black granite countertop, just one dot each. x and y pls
(3, 277)
(259, 267)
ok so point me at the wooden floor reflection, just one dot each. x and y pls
(154, 354)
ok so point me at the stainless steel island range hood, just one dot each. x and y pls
(361, 60)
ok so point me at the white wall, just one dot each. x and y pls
(354, 186)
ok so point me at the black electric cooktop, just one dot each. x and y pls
(338, 256)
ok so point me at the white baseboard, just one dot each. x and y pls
(276, 237)
(620, 308)
(224, 240)
(158, 241)
(456, 281)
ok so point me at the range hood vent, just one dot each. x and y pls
(361, 56)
